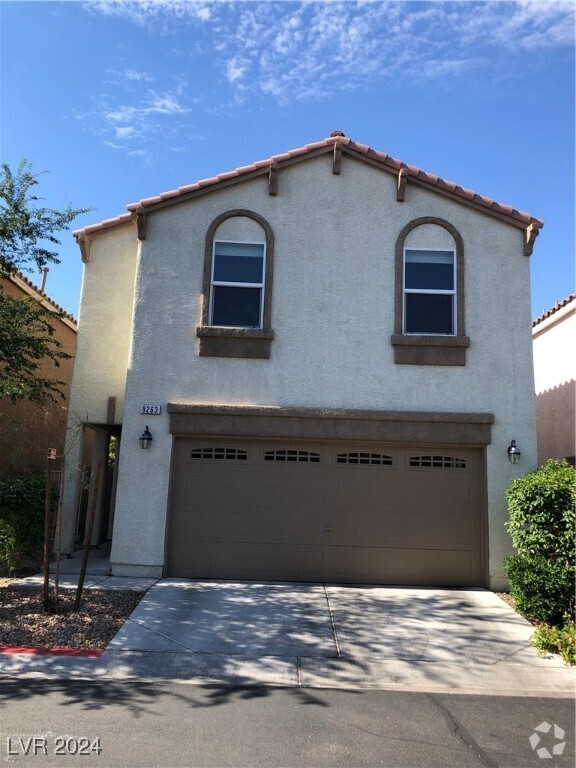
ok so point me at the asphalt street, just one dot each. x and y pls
(167, 724)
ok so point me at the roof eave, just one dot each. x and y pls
(362, 152)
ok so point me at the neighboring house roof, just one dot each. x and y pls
(546, 313)
(337, 141)
(27, 286)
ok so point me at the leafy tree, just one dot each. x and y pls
(26, 228)
(27, 238)
(26, 340)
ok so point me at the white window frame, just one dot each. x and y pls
(434, 292)
(237, 285)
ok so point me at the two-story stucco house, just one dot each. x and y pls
(340, 347)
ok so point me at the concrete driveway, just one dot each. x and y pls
(333, 636)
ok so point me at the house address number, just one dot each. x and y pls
(151, 410)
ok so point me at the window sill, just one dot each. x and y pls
(430, 350)
(220, 341)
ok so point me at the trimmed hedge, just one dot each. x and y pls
(22, 521)
(543, 589)
(542, 508)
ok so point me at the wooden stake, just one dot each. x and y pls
(46, 591)
(58, 533)
(88, 537)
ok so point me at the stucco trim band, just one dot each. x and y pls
(217, 341)
(430, 350)
(330, 424)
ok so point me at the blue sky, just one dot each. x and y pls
(123, 100)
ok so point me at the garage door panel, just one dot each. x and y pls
(250, 561)
(401, 566)
(316, 512)
(257, 527)
(290, 490)
(214, 494)
(396, 529)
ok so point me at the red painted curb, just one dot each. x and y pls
(30, 650)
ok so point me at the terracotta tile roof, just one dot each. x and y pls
(362, 151)
(34, 289)
(124, 218)
(546, 313)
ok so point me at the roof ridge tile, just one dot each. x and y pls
(546, 313)
(44, 296)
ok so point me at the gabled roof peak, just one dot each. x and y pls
(355, 149)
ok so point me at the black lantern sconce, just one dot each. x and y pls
(145, 438)
(513, 453)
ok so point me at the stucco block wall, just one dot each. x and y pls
(333, 315)
(28, 430)
(102, 351)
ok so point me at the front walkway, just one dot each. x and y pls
(97, 574)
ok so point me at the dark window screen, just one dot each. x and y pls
(429, 313)
(236, 307)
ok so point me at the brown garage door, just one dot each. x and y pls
(305, 512)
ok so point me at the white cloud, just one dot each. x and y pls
(130, 124)
(164, 104)
(141, 11)
(308, 50)
(235, 70)
(132, 74)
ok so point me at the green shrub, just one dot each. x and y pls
(7, 548)
(560, 640)
(543, 589)
(22, 513)
(542, 506)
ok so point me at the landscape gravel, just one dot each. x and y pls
(23, 621)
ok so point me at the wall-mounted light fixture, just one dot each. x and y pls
(513, 453)
(145, 438)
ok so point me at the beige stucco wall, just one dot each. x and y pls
(104, 335)
(333, 314)
(554, 344)
(555, 382)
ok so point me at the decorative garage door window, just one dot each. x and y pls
(374, 459)
(438, 462)
(307, 457)
(225, 454)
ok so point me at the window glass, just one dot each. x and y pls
(429, 270)
(236, 307)
(238, 263)
(429, 292)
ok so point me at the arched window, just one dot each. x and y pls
(429, 295)
(237, 287)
